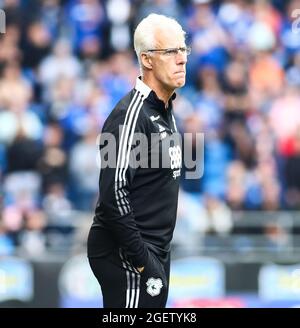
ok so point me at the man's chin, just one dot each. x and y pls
(180, 83)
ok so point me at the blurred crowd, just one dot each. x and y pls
(64, 64)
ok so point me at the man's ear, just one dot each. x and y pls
(146, 61)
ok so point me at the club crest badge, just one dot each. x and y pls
(154, 286)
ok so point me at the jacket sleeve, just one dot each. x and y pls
(115, 185)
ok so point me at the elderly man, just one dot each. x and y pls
(129, 241)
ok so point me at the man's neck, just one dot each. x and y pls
(161, 92)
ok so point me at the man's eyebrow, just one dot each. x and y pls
(184, 46)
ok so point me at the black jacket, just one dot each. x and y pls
(137, 206)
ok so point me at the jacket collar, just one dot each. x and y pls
(151, 96)
(142, 87)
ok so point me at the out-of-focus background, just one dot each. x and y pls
(65, 64)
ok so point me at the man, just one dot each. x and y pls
(129, 242)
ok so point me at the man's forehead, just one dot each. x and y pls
(169, 38)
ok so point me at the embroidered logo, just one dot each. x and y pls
(161, 128)
(175, 157)
(176, 160)
(154, 118)
(162, 131)
(154, 286)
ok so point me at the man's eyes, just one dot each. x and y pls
(171, 52)
(175, 51)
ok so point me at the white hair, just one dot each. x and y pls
(144, 35)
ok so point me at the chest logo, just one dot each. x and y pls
(162, 131)
(176, 160)
(154, 118)
(175, 156)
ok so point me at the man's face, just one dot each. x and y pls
(169, 69)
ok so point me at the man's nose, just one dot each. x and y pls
(181, 58)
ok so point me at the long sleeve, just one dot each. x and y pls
(115, 184)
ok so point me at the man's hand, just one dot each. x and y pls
(140, 269)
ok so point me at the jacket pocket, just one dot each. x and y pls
(154, 267)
